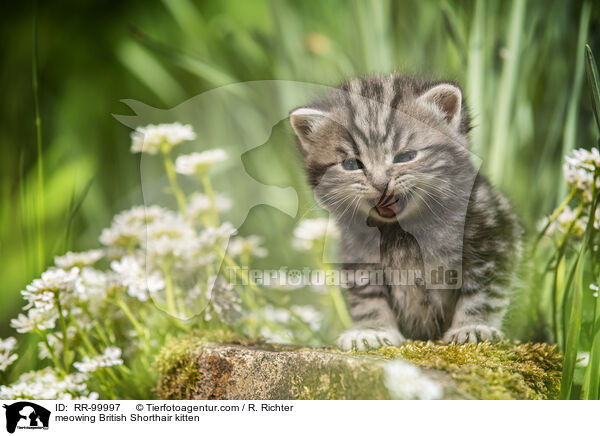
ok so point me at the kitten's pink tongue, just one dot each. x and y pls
(385, 211)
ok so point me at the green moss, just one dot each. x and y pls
(338, 379)
(178, 375)
(500, 370)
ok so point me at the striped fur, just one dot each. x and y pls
(445, 212)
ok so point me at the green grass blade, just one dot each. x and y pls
(591, 386)
(74, 208)
(39, 210)
(558, 289)
(150, 72)
(212, 74)
(476, 76)
(455, 29)
(573, 327)
(570, 131)
(502, 146)
(594, 80)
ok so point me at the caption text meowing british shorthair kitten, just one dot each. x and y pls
(389, 157)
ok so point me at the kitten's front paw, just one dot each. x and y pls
(367, 339)
(472, 333)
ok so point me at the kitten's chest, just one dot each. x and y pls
(421, 313)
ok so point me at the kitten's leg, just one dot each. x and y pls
(478, 315)
(375, 324)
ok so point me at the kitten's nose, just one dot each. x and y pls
(381, 187)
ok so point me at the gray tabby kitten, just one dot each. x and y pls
(388, 156)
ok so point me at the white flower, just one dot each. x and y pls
(212, 236)
(197, 163)
(110, 357)
(45, 384)
(151, 138)
(309, 231)
(42, 292)
(246, 246)
(35, 319)
(580, 169)
(200, 204)
(128, 228)
(169, 237)
(7, 357)
(54, 279)
(276, 314)
(564, 220)
(92, 285)
(139, 283)
(407, 382)
(270, 336)
(225, 303)
(583, 359)
(594, 287)
(309, 315)
(85, 258)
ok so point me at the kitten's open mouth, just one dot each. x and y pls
(390, 206)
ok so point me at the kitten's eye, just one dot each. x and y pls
(352, 165)
(405, 157)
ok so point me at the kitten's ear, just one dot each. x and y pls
(306, 123)
(445, 98)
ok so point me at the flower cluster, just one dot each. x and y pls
(581, 171)
(7, 357)
(198, 163)
(85, 258)
(201, 204)
(279, 324)
(110, 357)
(568, 221)
(224, 301)
(99, 314)
(46, 384)
(44, 296)
(582, 175)
(151, 138)
(241, 247)
(312, 232)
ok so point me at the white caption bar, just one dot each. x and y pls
(298, 417)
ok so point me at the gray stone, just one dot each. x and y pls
(194, 368)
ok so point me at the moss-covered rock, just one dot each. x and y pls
(221, 365)
(500, 370)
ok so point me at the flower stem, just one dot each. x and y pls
(553, 218)
(63, 323)
(340, 306)
(51, 352)
(170, 294)
(211, 196)
(136, 325)
(98, 328)
(335, 293)
(170, 169)
(83, 335)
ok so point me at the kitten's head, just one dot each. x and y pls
(393, 148)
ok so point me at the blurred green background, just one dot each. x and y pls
(520, 64)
